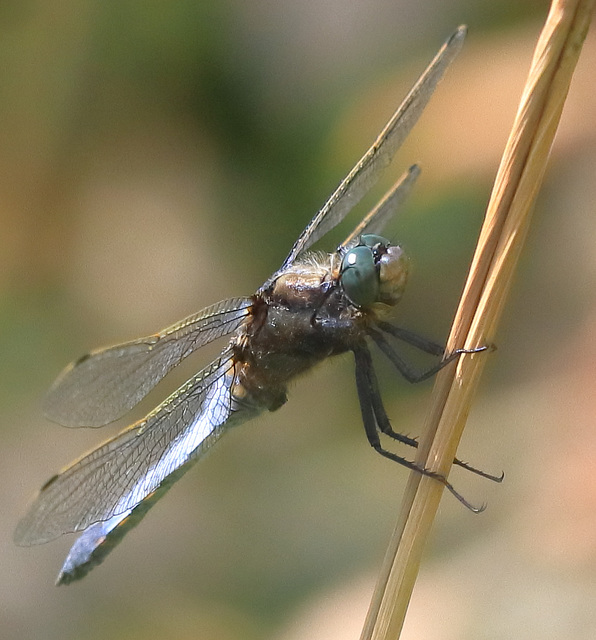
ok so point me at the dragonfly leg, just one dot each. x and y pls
(385, 426)
(479, 472)
(375, 419)
(406, 370)
(424, 344)
(365, 368)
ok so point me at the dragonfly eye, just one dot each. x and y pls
(359, 276)
(374, 271)
(393, 275)
(378, 244)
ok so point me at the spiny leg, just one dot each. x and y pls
(364, 363)
(368, 406)
(424, 344)
(386, 428)
(411, 376)
(406, 369)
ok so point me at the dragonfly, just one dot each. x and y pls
(317, 305)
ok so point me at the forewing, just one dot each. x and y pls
(360, 179)
(148, 457)
(103, 385)
(375, 221)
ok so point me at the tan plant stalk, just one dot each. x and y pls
(501, 239)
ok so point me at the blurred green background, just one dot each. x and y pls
(160, 156)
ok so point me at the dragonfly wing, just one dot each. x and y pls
(361, 178)
(377, 218)
(103, 385)
(110, 489)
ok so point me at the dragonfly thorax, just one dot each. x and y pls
(374, 271)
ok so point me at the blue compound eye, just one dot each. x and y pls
(359, 276)
(371, 240)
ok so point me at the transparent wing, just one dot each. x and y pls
(103, 385)
(375, 221)
(358, 182)
(148, 457)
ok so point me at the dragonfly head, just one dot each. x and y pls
(374, 271)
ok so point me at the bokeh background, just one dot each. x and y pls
(159, 156)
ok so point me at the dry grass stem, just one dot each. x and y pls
(501, 239)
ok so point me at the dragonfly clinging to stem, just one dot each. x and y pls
(315, 306)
